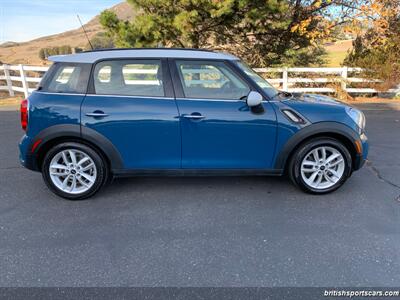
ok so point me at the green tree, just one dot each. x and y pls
(377, 49)
(42, 54)
(65, 49)
(52, 51)
(268, 32)
(46, 52)
(100, 41)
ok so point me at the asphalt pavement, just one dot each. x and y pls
(207, 231)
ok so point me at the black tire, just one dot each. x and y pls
(294, 166)
(100, 163)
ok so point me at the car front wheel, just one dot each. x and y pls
(74, 171)
(320, 165)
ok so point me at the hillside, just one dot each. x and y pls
(27, 52)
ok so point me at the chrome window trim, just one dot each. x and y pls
(150, 97)
(105, 95)
(220, 100)
(210, 100)
(131, 96)
(53, 93)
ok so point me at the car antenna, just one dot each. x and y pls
(91, 46)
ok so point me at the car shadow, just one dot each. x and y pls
(197, 185)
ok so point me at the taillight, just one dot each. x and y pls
(24, 114)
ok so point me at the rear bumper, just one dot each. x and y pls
(26, 158)
(29, 162)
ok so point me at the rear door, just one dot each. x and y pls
(132, 104)
(219, 130)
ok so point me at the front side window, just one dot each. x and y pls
(129, 78)
(67, 78)
(261, 82)
(210, 80)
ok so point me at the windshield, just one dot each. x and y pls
(261, 82)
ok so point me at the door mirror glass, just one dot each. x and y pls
(254, 99)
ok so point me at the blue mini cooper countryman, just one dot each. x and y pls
(103, 114)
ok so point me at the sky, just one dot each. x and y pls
(24, 20)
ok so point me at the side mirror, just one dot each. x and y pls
(254, 99)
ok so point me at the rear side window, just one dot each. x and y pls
(129, 78)
(67, 78)
(104, 74)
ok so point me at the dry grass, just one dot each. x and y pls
(11, 101)
(337, 52)
(335, 58)
(373, 100)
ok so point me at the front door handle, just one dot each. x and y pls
(194, 116)
(97, 114)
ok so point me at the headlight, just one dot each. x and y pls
(357, 116)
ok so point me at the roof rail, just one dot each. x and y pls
(147, 48)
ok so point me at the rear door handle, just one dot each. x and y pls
(194, 116)
(96, 114)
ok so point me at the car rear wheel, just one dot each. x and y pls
(320, 165)
(74, 171)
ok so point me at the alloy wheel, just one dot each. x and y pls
(322, 167)
(72, 171)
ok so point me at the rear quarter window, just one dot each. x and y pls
(66, 78)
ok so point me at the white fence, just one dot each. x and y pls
(331, 76)
(22, 78)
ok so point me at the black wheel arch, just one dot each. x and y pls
(335, 130)
(71, 132)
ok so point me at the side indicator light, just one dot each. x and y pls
(358, 147)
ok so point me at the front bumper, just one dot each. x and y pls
(361, 157)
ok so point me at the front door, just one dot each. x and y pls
(219, 130)
(132, 105)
